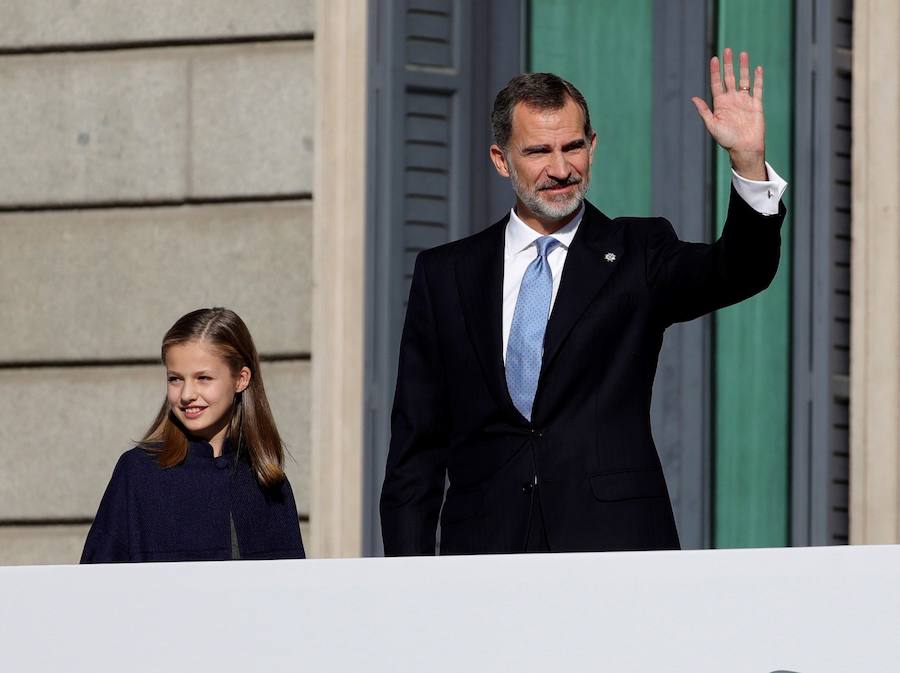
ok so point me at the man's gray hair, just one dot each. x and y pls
(538, 90)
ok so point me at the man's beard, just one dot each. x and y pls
(558, 207)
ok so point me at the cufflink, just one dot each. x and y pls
(609, 257)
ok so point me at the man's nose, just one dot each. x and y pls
(558, 167)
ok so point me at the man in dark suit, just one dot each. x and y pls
(543, 426)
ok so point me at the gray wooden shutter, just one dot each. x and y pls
(436, 65)
(681, 150)
(821, 293)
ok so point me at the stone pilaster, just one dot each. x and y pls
(338, 331)
(875, 300)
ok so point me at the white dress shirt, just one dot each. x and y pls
(520, 251)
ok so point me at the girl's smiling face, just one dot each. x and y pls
(201, 390)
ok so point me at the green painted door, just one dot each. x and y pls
(752, 340)
(584, 41)
(606, 50)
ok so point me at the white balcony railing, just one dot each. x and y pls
(818, 610)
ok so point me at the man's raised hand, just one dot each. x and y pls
(736, 121)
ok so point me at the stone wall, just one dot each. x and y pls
(156, 158)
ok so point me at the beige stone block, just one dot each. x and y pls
(107, 284)
(41, 545)
(62, 430)
(251, 125)
(288, 389)
(39, 23)
(93, 127)
(156, 124)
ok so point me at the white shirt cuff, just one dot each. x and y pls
(761, 195)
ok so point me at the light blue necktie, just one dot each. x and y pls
(526, 336)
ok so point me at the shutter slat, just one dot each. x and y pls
(840, 358)
(840, 250)
(843, 33)
(422, 237)
(419, 209)
(842, 114)
(840, 303)
(841, 328)
(421, 51)
(428, 26)
(427, 129)
(426, 155)
(843, 87)
(427, 104)
(841, 222)
(426, 183)
(843, 9)
(430, 6)
(841, 165)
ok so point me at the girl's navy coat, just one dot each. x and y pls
(205, 509)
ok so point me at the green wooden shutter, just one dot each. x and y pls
(586, 42)
(638, 64)
(752, 340)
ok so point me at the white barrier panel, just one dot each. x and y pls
(819, 610)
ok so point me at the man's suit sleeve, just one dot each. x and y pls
(414, 477)
(688, 280)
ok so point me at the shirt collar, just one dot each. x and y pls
(519, 236)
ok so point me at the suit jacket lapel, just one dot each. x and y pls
(479, 277)
(586, 270)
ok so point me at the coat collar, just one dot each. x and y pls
(479, 276)
(591, 260)
(203, 450)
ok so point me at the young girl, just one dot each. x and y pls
(207, 480)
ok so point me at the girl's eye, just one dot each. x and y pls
(206, 378)
(172, 379)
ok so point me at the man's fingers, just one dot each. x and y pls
(758, 83)
(728, 58)
(715, 76)
(703, 110)
(744, 82)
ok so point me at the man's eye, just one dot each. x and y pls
(172, 379)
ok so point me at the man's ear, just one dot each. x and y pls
(243, 380)
(498, 158)
(593, 145)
